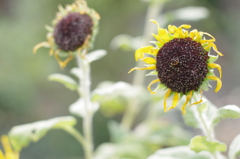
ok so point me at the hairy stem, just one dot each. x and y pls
(84, 89)
(208, 132)
(138, 79)
(77, 135)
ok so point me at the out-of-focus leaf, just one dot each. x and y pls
(179, 152)
(67, 81)
(234, 148)
(108, 88)
(78, 108)
(229, 111)
(21, 136)
(202, 107)
(77, 72)
(200, 143)
(190, 118)
(96, 55)
(120, 151)
(125, 42)
(191, 13)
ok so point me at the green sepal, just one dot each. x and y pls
(152, 73)
(212, 59)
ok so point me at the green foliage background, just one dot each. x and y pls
(27, 96)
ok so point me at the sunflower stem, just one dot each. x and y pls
(84, 89)
(138, 78)
(208, 132)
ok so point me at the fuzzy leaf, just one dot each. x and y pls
(229, 111)
(234, 148)
(22, 135)
(67, 81)
(78, 108)
(190, 118)
(96, 55)
(200, 143)
(179, 152)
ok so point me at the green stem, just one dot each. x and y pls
(84, 89)
(77, 135)
(207, 131)
(138, 79)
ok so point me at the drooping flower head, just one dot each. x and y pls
(182, 62)
(8, 152)
(73, 30)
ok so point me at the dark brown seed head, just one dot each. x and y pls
(182, 65)
(71, 32)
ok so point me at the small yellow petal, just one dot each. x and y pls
(165, 99)
(154, 21)
(175, 101)
(219, 82)
(157, 38)
(149, 86)
(216, 50)
(42, 44)
(163, 34)
(209, 35)
(188, 97)
(172, 29)
(139, 54)
(144, 68)
(149, 60)
(185, 26)
(214, 65)
(198, 102)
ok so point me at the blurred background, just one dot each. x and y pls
(27, 96)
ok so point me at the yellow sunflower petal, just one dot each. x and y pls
(149, 60)
(149, 86)
(214, 65)
(175, 101)
(42, 44)
(1, 155)
(165, 99)
(163, 34)
(154, 21)
(6, 145)
(211, 44)
(209, 35)
(198, 102)
(219, 82)
(186, 26)
(172, 29)
(188, 97)
(139, 54)
(144, 68)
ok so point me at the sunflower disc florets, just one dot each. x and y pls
(182, 62)
(74, 29)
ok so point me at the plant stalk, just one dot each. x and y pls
(84, 89)
(138, 78)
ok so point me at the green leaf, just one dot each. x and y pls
(22, 135)
(96, 55)
(229, 111)
(234, 148)
(78, 108)
(179, 152)
(200, 143)
(67, 81)
(202, 107)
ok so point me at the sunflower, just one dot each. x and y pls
(9, 153)
(182, 62)
(73, 30)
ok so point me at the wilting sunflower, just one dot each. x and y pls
(73, 30)
(8, 152)
(182, 62)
